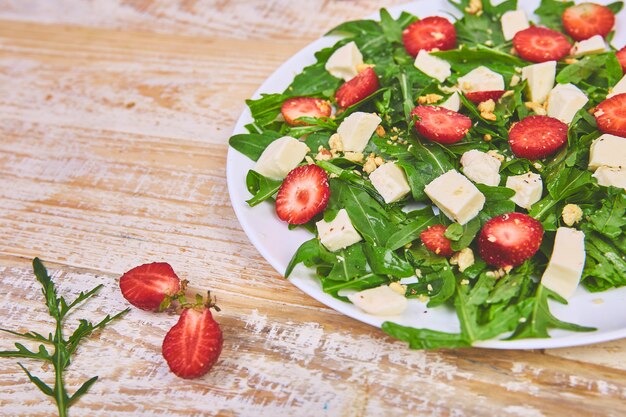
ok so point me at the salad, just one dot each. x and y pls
(477, 165)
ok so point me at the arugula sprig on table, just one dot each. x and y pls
(64, 348)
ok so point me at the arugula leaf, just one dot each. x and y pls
(384, 261)
(462, 236)
(610, 219)
(351, 263)
(411, 231)
(424, 338)
(261, 188)
(550, 12)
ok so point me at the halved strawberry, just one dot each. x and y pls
(194, 344)
(440, 124)
(477, 97)
(296, 107)
(429, 33)
(357, 89)
(621, 57)
(611, 115)
(435, 241)
(303, 194)
(147, 286)
(539, 44)
(537, 137)
(585, 20)
(509, 239)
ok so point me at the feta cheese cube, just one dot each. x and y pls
(620, 88)
(455, 196)
(512, 22)
(344, 61)
(357, 129)
(591, 46)
(608, 150)
(432, 66)
(540, 79)
(280, 157)
(566, 263)
(528, 189)
(481, 79)
(611, 177)
(452, 103)
(379, 301)
(338, 233)
(564, 102)
(481, 167)
(390, 182)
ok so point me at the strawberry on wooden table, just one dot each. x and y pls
(510, 239)
(435, 241)
(611, 115)
(303, 194)
(537, 137)
(585, 20)
(148, 286)
(477, 97)
(430, 33)
(296, 107)
(539, 44)
(440, 124)
(357, 89)
(621, 57)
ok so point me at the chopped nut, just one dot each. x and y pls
(429, 287)
(362, 67)
(418, 273)
(572, 214)
(489, 116)
(379, 161)
(508, 93)
(465, 282)
(323, 154)
(397, 287)
(464, 259)
(536, 107)
(474, 7)
(489, 42)
(569, 61)
(448, 90)
(370, 165)
(515, 80)
(309, 160)
(487, 106)
(336, 142)
(354, 156)
(487, 137)
(429, 99)
(380, 131)
(423, 298)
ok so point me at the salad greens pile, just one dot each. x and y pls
(487, 305)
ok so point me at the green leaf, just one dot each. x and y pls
(82, 390)
(351, 263)
(424, 338)
(81, 297)
(261, 188)
(550, 12)
(462, 236)
(46, 389)
(266, 109)
(252, 145)
(386, 262)
(410, 231)
(358, 284)
(616, 7)
(610, 219)
(391, 28)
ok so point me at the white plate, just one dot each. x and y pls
(606, 311)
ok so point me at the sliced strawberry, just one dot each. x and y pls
(538, 44)
(194, 344)
(440, 124)
(585, 20)
(477, 97)
(357, 89)
(429, 33)
(435, 241)
(509, 239)
(611, 115)
(296, 107)
(303, 194)
(146, 286)
(621, 57)
(537, 137)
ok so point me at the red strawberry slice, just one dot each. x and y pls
(538, 44)
(357, 89)
(146, 286)
(303, 194)
(435, 241)
(509, 239)
(621, 57)
(297, 107)
(611, 115)
(440, 124)
(537, 137)
(427, 34)
(477, 97)
(194, 344)
(585, 20)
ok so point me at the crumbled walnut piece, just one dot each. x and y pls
(487, 137)
(336, 142)
(370, 165)
(353, 156)
(464, 259)
(323, 154)
(536, 107)
(380, 131)
(572, 214)
(474, 7)
(515, 79)
(429, 99)
(397, 287)
(569, 61)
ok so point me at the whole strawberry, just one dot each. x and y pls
(194, 344)
(151, 286)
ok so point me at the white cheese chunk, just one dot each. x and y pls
(481, 79)
(620, 88)
(338, 233)
(357, 129)
(455, 196)
(528, 189)
(540, 79)
(379, 301)
(452, 103)
(564, 102)
(512, 22)
(611, 177)
(608, 150)
(432, 66)
(481, 167)
(280, 157)
(591, 46)
(344, 61)
(566, 263)
(390, 182)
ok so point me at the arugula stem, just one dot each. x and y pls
(59, 386)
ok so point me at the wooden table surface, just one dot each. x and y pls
(114, 122)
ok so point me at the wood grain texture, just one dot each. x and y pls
(114, 121)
